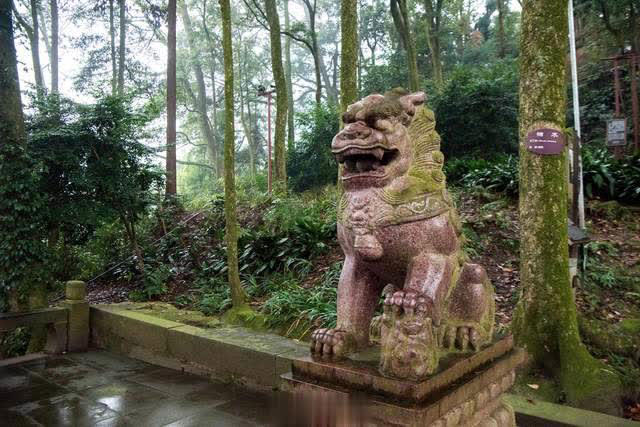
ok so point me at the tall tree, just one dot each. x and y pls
(545, 321)
(123, 44)
(281, 93)
(112, 39)
(433, 9)
(201, 96)
(400, 15)
(54, 46)
(349, 53)
(238, 296)
(171, 184)
(11, 118)
(502, 41)
(33, 34)
(21, 238)
(287, 69)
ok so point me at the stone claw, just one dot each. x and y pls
(330, 343)
(406, 302)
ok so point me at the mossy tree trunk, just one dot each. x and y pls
(277, 68)
(11, 118)
(21, 250)
(433, 18)
(291, 134)
(349, 53)
(502, 41)
(171, 168)
(123, 45)
(54, 46)
(112, 46)
(237, 293)
(401, 21)
(545, 322)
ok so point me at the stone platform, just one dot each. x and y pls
(466, 391)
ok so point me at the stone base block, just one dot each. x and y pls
(467, 392)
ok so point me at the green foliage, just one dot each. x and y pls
(154, 283)
(93, 172)
(500, 175)
(23, 254)
(383, 77)
(456, 168)
(477, 111)
(311, 163)
(298, 309)
(608, 178)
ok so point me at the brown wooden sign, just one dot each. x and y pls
(545, 141)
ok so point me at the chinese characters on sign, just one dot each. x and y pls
(617, 132)
(545, 141)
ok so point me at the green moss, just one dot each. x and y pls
(243, 315)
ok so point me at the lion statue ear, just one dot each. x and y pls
(411, 101)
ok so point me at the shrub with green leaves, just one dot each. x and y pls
(499, 175)
(311, 163)
(477, 111)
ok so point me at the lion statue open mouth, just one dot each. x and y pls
(400, 233)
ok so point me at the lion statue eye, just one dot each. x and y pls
(383, 125)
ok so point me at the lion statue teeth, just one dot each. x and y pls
(400, 234)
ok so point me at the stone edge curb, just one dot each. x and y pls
(230, 354)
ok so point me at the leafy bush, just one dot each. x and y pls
(501, 175)
(608, 178)
(299, 309)
(310, 163)
(457, 167)
(477, 111)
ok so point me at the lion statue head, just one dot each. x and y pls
(389, 143)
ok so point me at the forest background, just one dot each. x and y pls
(93, 168)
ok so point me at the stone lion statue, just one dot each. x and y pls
(401, 235)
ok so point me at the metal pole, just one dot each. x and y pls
(576, 118)
(617, 151)
(616, 82)
(269, 140)
(633, 60)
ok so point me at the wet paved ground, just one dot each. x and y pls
(102, 389)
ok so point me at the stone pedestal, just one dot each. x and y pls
(78, 322)
(465, 391)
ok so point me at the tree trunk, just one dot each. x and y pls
(545, 321)
(238, 296)
(331, 90)
(201, 99)
(13, 131)
(349, 53)
(400, 15)
(281, 94)
(123, 45)
(310, 11)
(112, 36)
(54, 46)
(12, 135)
(291, 134)
(214, 143)
(172, 185)
(35, 48)
(434, 16)
(502, 42)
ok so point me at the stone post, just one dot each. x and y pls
(76, 303)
